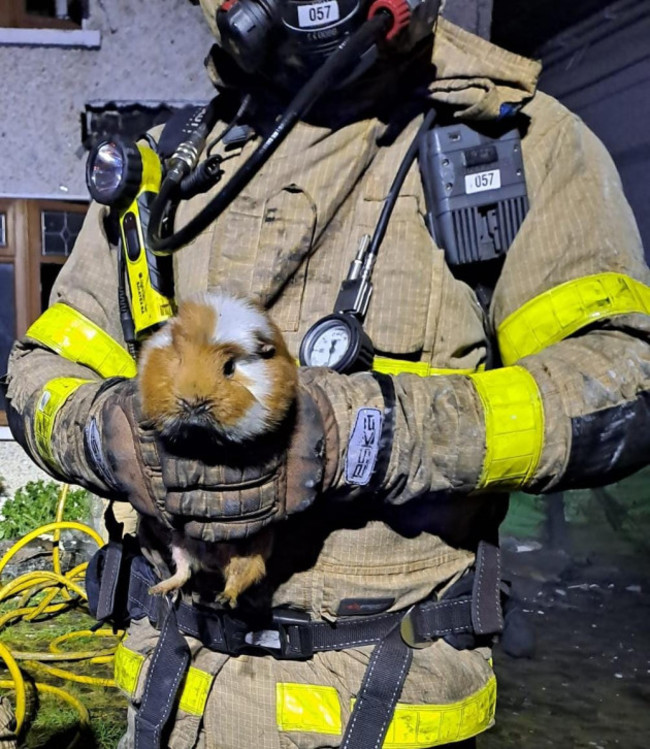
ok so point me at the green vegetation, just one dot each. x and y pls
(35, 504)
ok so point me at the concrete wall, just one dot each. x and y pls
(149, 51)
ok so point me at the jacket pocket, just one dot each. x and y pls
(285, 241)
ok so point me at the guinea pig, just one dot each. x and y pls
(220, 369)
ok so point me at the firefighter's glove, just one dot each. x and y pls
(212, 492)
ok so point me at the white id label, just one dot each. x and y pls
(483, 181)
(363, 446)
(318, 14)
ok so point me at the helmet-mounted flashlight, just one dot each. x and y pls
(114, 172)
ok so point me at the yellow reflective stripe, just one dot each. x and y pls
(55, 393)
(76, 338)
(422, 726)
(514, 426)
(194, 692)
(399, 366)
(558, 313)
(307, 707)
(316, 709)
(126, 668)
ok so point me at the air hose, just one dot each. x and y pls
(346, 54)
(55, 592)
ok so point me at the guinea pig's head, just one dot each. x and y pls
(220, 367)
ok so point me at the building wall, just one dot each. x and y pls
(149, 51)
(600, 70)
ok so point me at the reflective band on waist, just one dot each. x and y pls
(316, 709)
(399, 366)
(55, 393)
(126, 668)
(307, 707)
(76, 338)
(194, 692)
(558, 313)
(514, 426)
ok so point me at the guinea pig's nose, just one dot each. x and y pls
(194, 407)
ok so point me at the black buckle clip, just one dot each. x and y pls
(291, 639)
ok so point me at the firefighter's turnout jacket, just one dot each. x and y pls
(568, 407)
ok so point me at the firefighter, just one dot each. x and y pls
(527, 371)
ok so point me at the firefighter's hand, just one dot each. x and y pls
(212, 492)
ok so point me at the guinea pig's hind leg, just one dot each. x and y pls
(183, 564)
(240, 574)
(243, 570)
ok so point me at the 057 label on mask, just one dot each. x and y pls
(318, 14)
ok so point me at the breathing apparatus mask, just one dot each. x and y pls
(287, 40)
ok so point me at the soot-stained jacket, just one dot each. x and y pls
(570, 317)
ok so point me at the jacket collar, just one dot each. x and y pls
(478, 79)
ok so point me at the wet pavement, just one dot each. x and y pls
(588, 681)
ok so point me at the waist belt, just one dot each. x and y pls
(471, 609)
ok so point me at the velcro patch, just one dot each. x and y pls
(363, 446)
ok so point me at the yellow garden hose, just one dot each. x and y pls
(57, 592)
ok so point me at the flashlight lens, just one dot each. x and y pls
(107, 171)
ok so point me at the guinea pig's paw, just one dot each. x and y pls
(228, 598)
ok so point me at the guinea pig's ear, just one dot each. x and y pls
(265, 346)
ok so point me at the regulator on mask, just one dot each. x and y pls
(288, 38)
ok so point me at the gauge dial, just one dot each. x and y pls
(337, 341)
(329, 346)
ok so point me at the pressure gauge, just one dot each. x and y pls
(337, 341)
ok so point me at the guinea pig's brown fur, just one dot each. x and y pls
(220, 366)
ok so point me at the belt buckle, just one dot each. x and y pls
(408, 631)
(291, 640)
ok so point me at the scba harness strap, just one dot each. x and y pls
(469, 613)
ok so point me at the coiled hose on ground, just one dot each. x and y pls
(44, 593)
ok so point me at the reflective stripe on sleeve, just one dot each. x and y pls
(558, 313)
(194, 692)
(387, 366)
(72, 335)
(514, 426)
(311, 708)
(55, 393)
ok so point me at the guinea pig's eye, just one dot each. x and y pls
(229, 367)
